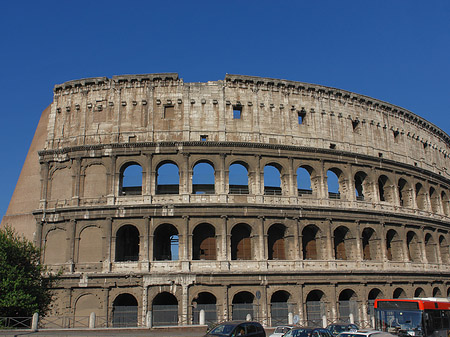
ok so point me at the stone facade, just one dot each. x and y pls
(207, 240)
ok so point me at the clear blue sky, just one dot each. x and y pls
(394, 50)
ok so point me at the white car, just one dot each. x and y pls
(281, 330)
(366, 333)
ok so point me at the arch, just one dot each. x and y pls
(95, 181)
(420, 197)
(272, 179)
(430, 249)
(404, 193)
(315, 308)
(90, 245)
(84, 306)
(399, 293)
(434, 200)
(343, 244)
(445, 203)
(204, 242)
(444, 250)
(203, 179)
(165, 309)
(276, 242)
(414, 251)
(207, 302)
(333, 183)
(279, 307)
(241, 242)
(374, 294)
(242, 305)
(238, 178)
(55, 247)
(61, 184)
(437, 292)
(348, 305)
(165, 243)
(125, 311)
(310, 243)
(130, 181)
(167, 178)
(419, 293)
(304, 186)
(370, 244)
(385, 189)
(394, 249)
(127, 244)
(362, 187)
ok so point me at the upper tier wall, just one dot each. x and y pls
(161, 107)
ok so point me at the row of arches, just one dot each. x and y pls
(256, 177)
(243, 242)
(165, 306)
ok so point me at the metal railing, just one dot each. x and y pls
(15, 322)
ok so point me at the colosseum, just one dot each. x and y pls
(281, 200)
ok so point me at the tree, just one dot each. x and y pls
(25, 284)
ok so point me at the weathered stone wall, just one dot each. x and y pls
(383, 233)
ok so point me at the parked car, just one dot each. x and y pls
(366, 333)
(308, 332)
(239, 328)
(336, 329)
(281, 330)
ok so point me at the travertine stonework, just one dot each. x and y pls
(271, 251)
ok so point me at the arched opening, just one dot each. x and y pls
(165, 309)
(444, 250)
(276, 242)
(333, 183)
(90, 245)
(242, 305)
(434, 199)
(84, 306)
(167, 178)
(404, 193)
(279, 307)
(414, 251)
(204, 242)
(373, 295)
(437, 292)
(430, 249)
(342, 244)
(360, 185)
(165, 243)
(419, 293)
(241, 242)
(348, 305)
(127, 244)
(420, 196)
(304, 180)
(399, 293)
(207, 302)
(238, 178)
(385, 189)
(315, 308)
(445, 203)
(370, 245)
(394, 251)
(203, 180)
(310, 240)
(272, 179)
(125, 311)
(130, 182)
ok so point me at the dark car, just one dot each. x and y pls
(232, 329)
(336, 329)
(308, 332)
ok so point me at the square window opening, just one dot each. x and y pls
(237, 111)
(301, 117)
(203, 138)
(169, 111)
(332, 146)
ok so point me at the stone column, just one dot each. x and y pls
(223, 251)
(185, 174)
(221, 184)
(323, 190)
(144, 240)
(150, 178)
(359, 247)
(72, 227)
(76, 167)
(108, 245)
(383, 242)
(150, 238)
(405, 245)
(144, 305)
(185, 305)
(424, 258)
(298, 239)
(44, 184)
(330, 240)
(262, 241)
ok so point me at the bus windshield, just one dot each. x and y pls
(399, 322)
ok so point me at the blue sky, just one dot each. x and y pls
(397, 51)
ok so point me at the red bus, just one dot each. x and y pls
(425, 317)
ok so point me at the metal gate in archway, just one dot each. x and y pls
(125, 316)
(165, 314)
(210, 313)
